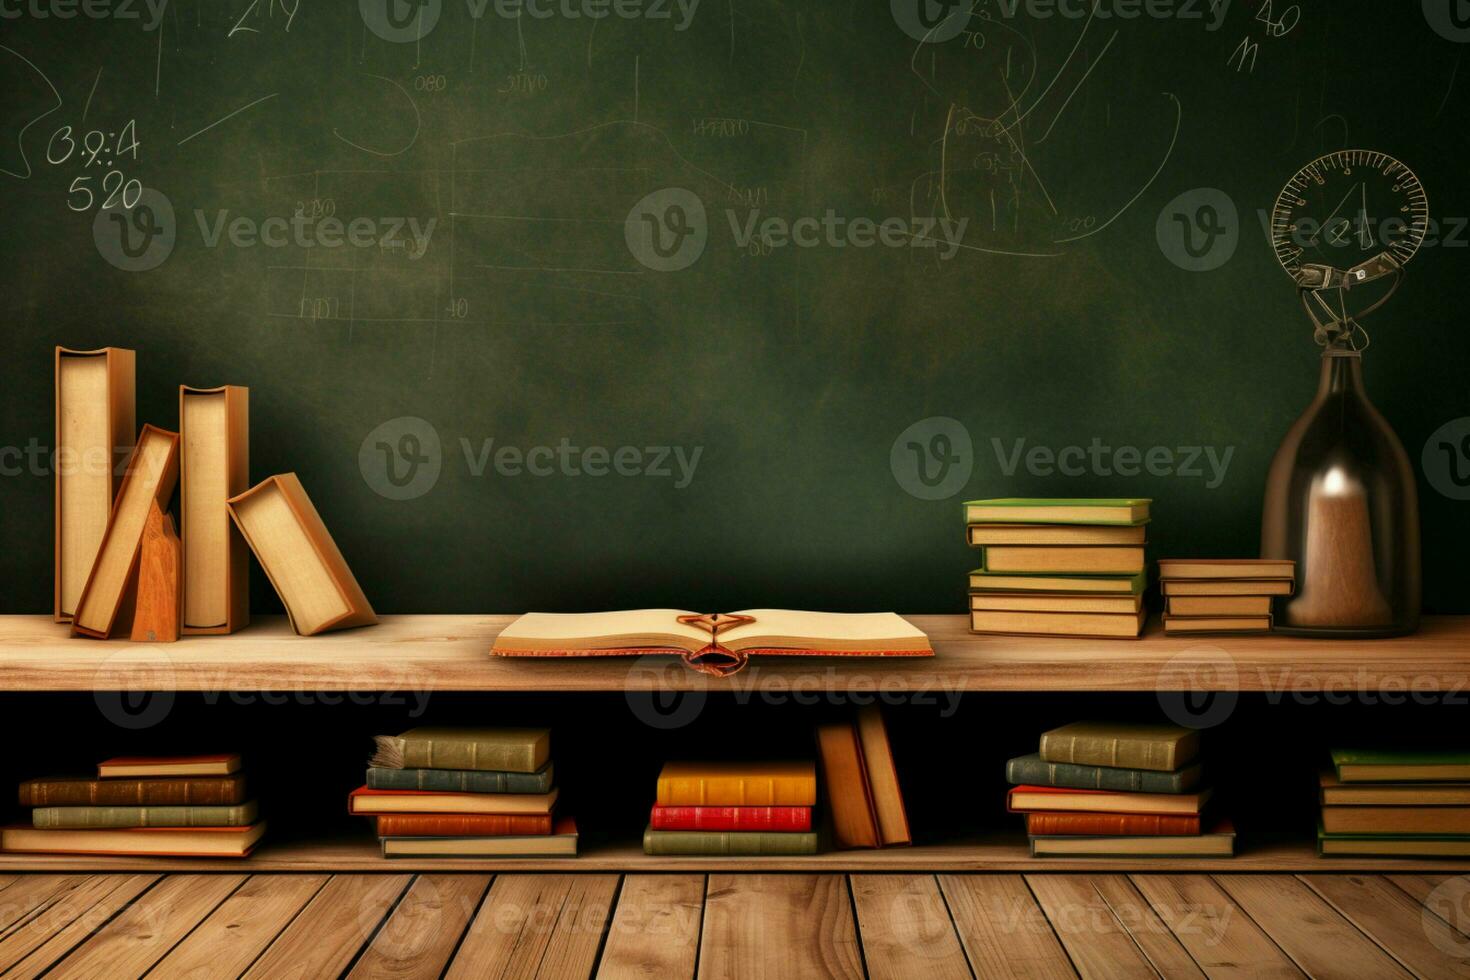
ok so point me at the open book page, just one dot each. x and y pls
(622, 629)
(825, 631)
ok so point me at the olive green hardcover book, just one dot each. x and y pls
(461, 780)
(483, 749)
(1401, 765)
(729, 844)
(1058, 510)
(983, 581)
(1161, 748)
(121, 817)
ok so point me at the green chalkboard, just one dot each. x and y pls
(587, 304)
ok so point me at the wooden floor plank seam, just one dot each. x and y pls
(1149, 920)
(1127, 931)
(856, 923)
(289, 922)
(607, 925)
(1371, 936)
(190, 931)
(944, 900)
(1264, 931)
(378, 927)
(82, 939)
(1026, 879)
(469, 924)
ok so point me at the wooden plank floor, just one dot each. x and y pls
(778, 926)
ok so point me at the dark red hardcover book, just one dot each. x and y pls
(797, 819)
(1111, 825)
(463, 824)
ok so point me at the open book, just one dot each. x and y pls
(714, 643)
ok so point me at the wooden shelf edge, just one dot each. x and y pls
(1002, 854)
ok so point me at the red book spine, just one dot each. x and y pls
(1110, 825)
(463, 824)
(777, 818)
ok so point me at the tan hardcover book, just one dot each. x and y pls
(1396, 819)
(1377, 846)
(1219, 605)
(152, 472)
(214, 465)
(893, 821)
(983, 581)
(1226, 568)
(1055, 534)
(1242, 586)
(1337, 793)
(1129, 605)
(1058, 510)
(1086, 559)
(299, 557)
(561, 842)
(1121, 745)
(159, 841)
(95, 430)
(1219, 842)
(1117, 625)
(1055, 799)
(845, 785)
(368, 801)
(149, 766)
(1216, 624)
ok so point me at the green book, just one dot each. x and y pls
(480, 749)
(1033, 770)
(692, 843)
(122, 817)
(461, 780)
(1118, 745)
(1392, 845)
(983, 581)
(1401, 766)
(1058, 510)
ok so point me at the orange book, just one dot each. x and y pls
(1025, 799)
(299, 556)
(364, 801)
(1110, 824)
(152, 472)
(147, 766)
(95, 432)
(893, 821)
(463, 824)
(845, 779)
(214, 465)
(737, 784)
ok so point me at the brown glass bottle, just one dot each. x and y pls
(1341, 501)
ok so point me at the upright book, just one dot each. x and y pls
(214, 454)
(893, 821)
(152, 472)
(715, 643)
(299, 556)
(95, 430)
(845, 781)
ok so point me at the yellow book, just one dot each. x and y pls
(738, 784)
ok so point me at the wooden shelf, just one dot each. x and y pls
(1007, 853)
(451, 653)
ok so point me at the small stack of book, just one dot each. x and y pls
(861, 782)
(1396, 804)
(176, 806)
(1222, 595)
(465, 792)
(1097, 790)
(733, 808)
(1058, 567)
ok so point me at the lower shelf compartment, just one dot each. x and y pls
(995, 854)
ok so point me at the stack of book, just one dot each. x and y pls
(1097, 789)
(1396, 803)
(1058, 567)
(1222, 595)
(733, 808)
(861, 782)
(177, 806)
(465, 792)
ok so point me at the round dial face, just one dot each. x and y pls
(1346, 208)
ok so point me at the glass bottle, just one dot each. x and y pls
(1341, 501)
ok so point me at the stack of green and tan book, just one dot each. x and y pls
(1109, 789)
(1222, 595)
(465, 792)
(170, 806)
(1058, 567)
(1396, 803)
